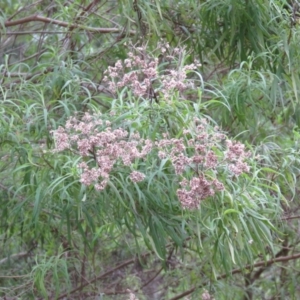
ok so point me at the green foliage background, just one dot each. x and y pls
(61, 239)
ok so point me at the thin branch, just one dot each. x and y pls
(14, 256)
(13, 276)
(15, 74)
(25, 76)
(124, 264)
(291, 218)
(24, 9)
(23, 199)
(171, 251)
(282, 253)
(17, 255)
(37, 18)
(27, 58)
(236, 271)
(34, 32)
(88, 8)
(151, 279)
(120, 266)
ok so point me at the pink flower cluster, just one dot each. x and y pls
(95, 139)
(176, 79)
(140, 73)
(136, 72)
(235, 155)
(198, 156)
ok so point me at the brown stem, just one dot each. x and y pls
(124, 264)
(282, 253)
(236, 271)
(290, 218)
(14, 257)
(38, 18)
(248, 293)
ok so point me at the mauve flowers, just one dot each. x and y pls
(62, 139)
(140, 72)
(236, 155)
(197, 189)
(136, 176)
(136, 72)
(199, 156)
(95, 139)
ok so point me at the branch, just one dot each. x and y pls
(14, 256)
(124, 264)
(282, 253)
(86, 9)
(34, 32)
(26, 76)
(158, 272)
(236, 271)
(290, 218)
(25, 8)
(23, 199)
(37, 18)
(18, 255)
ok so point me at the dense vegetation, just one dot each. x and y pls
(149, 149)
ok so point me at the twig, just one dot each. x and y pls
(23, 199)
(34, 32)
(37, 18)
(24, 9)
(17, 255)
(124, 264)
(282, 253)
(290, 218)
(236, 271)
(14, 256)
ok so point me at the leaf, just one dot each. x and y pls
(231, 211)
(231, 249)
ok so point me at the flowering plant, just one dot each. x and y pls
(205, 159)
(146, 77)
(95, 139)
(164, 171)
(195, 155)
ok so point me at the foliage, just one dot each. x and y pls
(149, 149)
